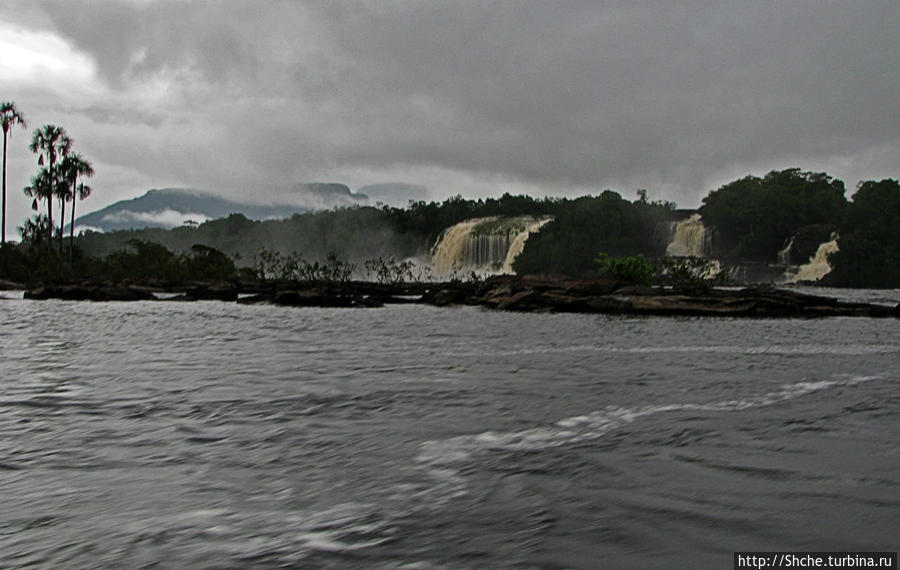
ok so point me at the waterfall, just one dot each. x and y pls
(690, 238)
(454, 245)
(818, 266)
(784, 255)
(518, 243)
(483, 245)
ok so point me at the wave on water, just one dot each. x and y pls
(799, 349)
(442, 456)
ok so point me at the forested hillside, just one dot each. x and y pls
(751, 219)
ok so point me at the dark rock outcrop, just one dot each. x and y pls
(506, 293)
(533, 294)
(9, 285)
(218, 292)
(90, 293)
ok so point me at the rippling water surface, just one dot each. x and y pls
(211, 435)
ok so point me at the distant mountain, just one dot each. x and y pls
(325, 195)
(396, 194)
(172, 207)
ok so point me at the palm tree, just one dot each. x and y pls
(63, 193)
(82, 191)
(74, 165)
(51, 142)
(41, 189)
(9, 116)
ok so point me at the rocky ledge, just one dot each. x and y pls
(90, 293)
(504, 293)
(536, 294)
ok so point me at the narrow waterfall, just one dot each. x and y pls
(784, 255)
(518, 243)
(483, 245)
(689, 238)
(818, 266)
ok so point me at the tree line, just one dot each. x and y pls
(751, 219)
(756, 217)
(60, 176)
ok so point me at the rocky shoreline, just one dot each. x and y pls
(502, 293)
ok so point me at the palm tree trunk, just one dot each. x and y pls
(72, 225)
(3, 225)
(62, 223)
(50, 206)
(50, 219)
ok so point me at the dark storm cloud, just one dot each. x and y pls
(673, 96)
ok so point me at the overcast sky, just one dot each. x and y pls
(478, 98)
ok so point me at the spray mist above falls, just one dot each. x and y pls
(483, 245)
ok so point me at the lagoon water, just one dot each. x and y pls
(212, 435)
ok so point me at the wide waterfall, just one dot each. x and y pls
(483, 245)
(817, 267)
(689, 238)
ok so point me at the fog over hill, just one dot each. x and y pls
(172, 207)
(396, 194)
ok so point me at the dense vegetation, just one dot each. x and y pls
(587, 225)
(753, 216)
(357, 233)
(753, 219)
(140, 261)
(869, 238)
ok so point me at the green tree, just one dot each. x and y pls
(694, 275)
(144, 260)
(633, 269)
(34, 230)
(9, 116)
(50, 142)
(41, 188)
(583, 226)
(754, 216)
(869, 238)
(208, 263)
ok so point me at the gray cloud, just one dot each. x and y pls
(675, 96)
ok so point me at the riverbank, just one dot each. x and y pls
(502, 293)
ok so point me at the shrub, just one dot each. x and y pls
(634, 269)
(694, 274)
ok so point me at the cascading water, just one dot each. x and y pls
(689, 238)
(784, 255)
(818, 266)
(483, 245)
(454, 246)
(518, 244)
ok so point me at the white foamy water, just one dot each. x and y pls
(471, 246)
(817, 267)
(597, 424)
(689, 238)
